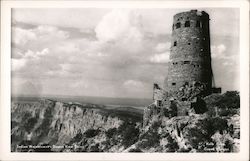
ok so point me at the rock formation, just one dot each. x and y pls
(52, 126)
(49, 122)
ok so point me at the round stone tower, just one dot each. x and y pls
(190, 56)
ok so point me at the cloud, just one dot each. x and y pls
(18, 64)
(48, 32)
(112, 52)
(21, 36)
(43, 52)
(161, 47)
(160, 58)
(28, 57)
(93, 61)
(63, 70)
(228, 63)
(42, 35)
(133, 84)
(119, 25)
(157, 21)
(37, 54)
(16, 53)
(67, 47)
(80, 85)
(66, 17)
(27, 87)
(221, 48)
(218, 51)
(225, 64)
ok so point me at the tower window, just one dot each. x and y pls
(187, 24)
(173, 84)
(186, 62)
(189, 43)
(198, 24)
(178, 25)
(175, 43)
(173, 27)
(159, 103)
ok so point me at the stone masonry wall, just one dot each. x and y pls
(190, 58)
(158, 95)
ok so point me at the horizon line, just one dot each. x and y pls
(58, 96)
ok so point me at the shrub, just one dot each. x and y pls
(173, 109)
(25, 116)
(204, 129)
(172, 145)
(91, 133)
(106, 145)
(230, 99)
(29, 124)
(149, 139)
(135, 150)
(155, 125)
(165, 112)
(227, 112)
(229, 145)
(129, 133)
(199, 106)
(111, 132)
(94, 148)
(77, 138)
(185, 150)
(212, 99)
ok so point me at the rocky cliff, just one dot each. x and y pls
(56, 124)
(216, 129)
(196, 133)
(52, 126)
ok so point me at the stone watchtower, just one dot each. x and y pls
(190, 75)
(190, 56)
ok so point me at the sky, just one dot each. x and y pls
(109, 52)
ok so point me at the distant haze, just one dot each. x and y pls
(109, 52)
(107, 101)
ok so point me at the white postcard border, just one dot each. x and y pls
(5, 130)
